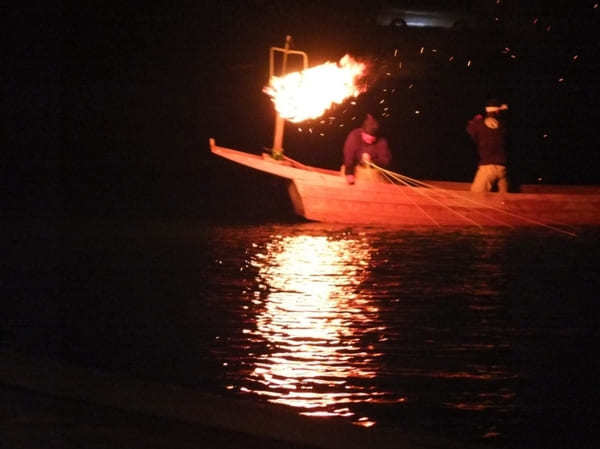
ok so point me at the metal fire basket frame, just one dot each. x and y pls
(277, 150)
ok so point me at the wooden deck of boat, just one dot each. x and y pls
(323, 195)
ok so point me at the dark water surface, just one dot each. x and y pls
(479, 335)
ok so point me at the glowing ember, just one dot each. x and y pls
(308, 94)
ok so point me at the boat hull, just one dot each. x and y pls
(411, 206)
(323, 195)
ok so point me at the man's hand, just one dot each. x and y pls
(350, 179)
(365, 158)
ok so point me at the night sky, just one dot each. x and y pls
(109, 108)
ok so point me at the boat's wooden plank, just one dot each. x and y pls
(323, 195)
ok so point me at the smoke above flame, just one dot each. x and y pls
(307, 94)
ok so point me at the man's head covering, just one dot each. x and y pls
(493, 105)
(370, 125)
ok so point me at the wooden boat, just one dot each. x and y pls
(323, 195)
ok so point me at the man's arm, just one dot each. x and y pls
(349, 153)
(383, 155)
(472, 126)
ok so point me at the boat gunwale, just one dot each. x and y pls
(526, 191)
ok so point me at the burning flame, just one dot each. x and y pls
(299, 96)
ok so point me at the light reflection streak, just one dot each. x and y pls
(315, 323)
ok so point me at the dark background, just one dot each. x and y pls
(109, 108)
(107, 114)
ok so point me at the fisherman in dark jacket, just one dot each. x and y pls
(362, 146)
(490, 135)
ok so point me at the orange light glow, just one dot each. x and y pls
(315, 325)
(364, 422)
(299, 96)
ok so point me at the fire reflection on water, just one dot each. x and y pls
(320, 331)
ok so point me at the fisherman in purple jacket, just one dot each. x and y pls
(490, 134)
(362, 146)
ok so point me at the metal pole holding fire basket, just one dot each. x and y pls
(277, 150)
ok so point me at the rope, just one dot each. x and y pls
(413, 183)
(399, 177)
(489, 217)
(387, 176)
